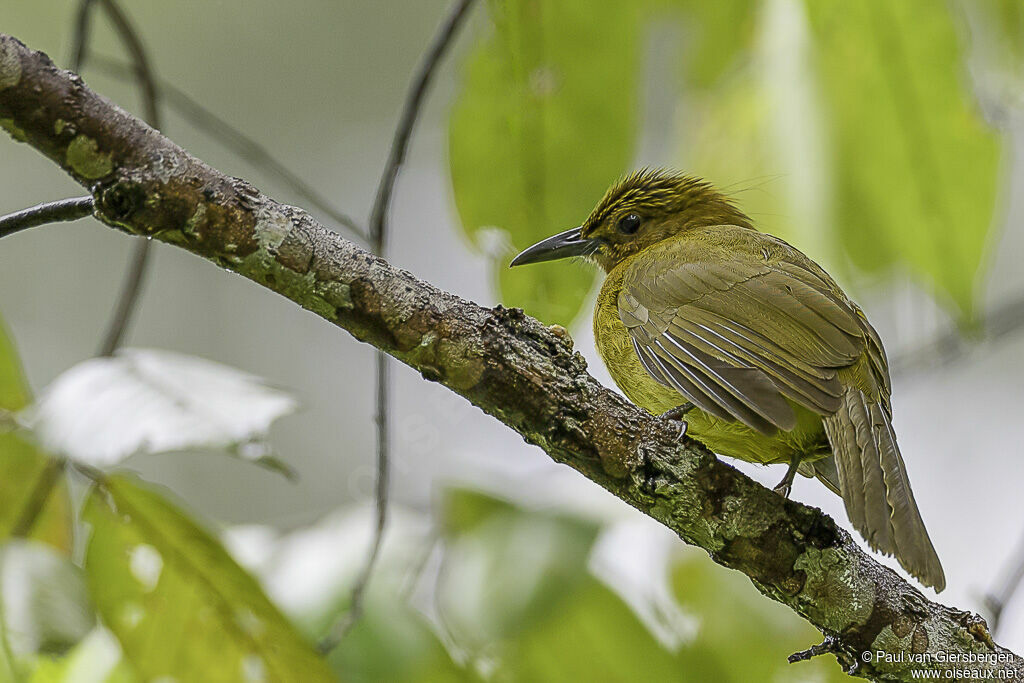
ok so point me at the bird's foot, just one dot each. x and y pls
(649, 476)
(676, 415)
(784, 487)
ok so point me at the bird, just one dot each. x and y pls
(703, 317)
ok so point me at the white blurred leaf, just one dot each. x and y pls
(310, 571)
(148, 401)
(45, 603)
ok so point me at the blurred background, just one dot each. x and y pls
(883, 139)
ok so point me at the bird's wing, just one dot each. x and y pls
(741, 327)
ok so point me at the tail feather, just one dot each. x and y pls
(841, 430)
(875, 488)
(877, 511)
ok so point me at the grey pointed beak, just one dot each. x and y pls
(562, 245)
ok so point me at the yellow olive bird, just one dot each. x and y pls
(772, 361)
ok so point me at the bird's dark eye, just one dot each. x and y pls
(629, 224)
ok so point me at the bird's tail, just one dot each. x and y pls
(874, 485)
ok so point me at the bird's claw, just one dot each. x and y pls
(784, 487)
(676, 415)
(650, 477)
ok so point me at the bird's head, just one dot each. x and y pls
(642, 209)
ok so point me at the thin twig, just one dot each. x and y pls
(132, 286)
(128, 300)
(995, 600)
(142, 71)
(410, 112)
(80, 36)
(378, 242)
(60, 211)
(245, 147)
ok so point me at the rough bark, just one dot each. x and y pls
(506, 363)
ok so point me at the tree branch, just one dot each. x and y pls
(508, 364)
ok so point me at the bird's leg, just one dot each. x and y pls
(786, 485)
(676, 415)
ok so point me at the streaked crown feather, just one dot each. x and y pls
(650, 192)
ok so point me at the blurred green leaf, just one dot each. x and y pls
(177, 602)
(716, 35)
(748, 636)
(14, 390)
(8, 672)
(756, 133)
(393, 642)
(594, 636)
(34, 500)
(463, 510)
(546, 120)
(505, 567)
(916, 167)
(516, 593)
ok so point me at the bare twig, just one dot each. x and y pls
(245, 147)
(1006, 587)
(60, 211)
(511, 366)
(80, 36)
(410, 112)
(378, 242)
(127, 301)
(142, 71)
(132, 286)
